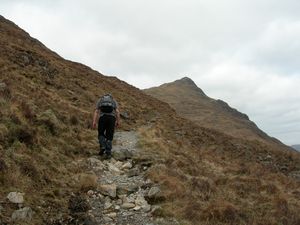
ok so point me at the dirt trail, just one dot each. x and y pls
(124, 193)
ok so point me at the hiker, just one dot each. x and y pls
(108, 116)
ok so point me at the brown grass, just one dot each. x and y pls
(202, 188)
(87, 182)
(221, 211)
(45, 122)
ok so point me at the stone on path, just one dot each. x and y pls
(112, 215)
(113, 169)
(93, 162)
(107, 205)
(107, 219)
(128, 205)
(140, 201)
(122, 154)
(137, 208)
(16, 197)
(118, 164)
(154, 192)
(133, 172)
(126, 189)
(154, 195)
(90, 193)
(127, 165)
(22, 214)
(108, 189)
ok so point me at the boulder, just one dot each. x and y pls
(22, 214)
(122, 154)
(157, 211)
(16, 197)
(155, 195)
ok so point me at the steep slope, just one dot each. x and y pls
(205, 176)
(192, 103)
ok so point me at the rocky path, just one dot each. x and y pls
(123, 193)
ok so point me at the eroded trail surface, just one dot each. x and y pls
(124, 194)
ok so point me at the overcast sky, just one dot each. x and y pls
(245, 52)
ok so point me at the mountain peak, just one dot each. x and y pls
(186, 80)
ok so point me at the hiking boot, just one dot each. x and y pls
(107, 156)
(102, 151)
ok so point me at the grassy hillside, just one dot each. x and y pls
(207, 177)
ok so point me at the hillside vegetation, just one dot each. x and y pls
(206, 176)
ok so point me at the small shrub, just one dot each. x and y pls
(270, 188)
(87, 182)
(3, 133)
(88, 124)
(281, 206)
(192, 211)
(5, 91)
(23, 134)
(78, 204)
(3, 165)
(27, 111)
(29, 169)
(49, 119)
(202, 185)
(15, 118)
(221, 211)
(74, 120)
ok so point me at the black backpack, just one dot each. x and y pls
(107, 104)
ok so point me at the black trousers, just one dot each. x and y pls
(106, 129)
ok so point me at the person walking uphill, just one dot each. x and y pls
(108, 116)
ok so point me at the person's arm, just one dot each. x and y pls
(117, 117)
(95, 119)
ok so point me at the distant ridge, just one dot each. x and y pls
(192, 103)
(297, 147)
